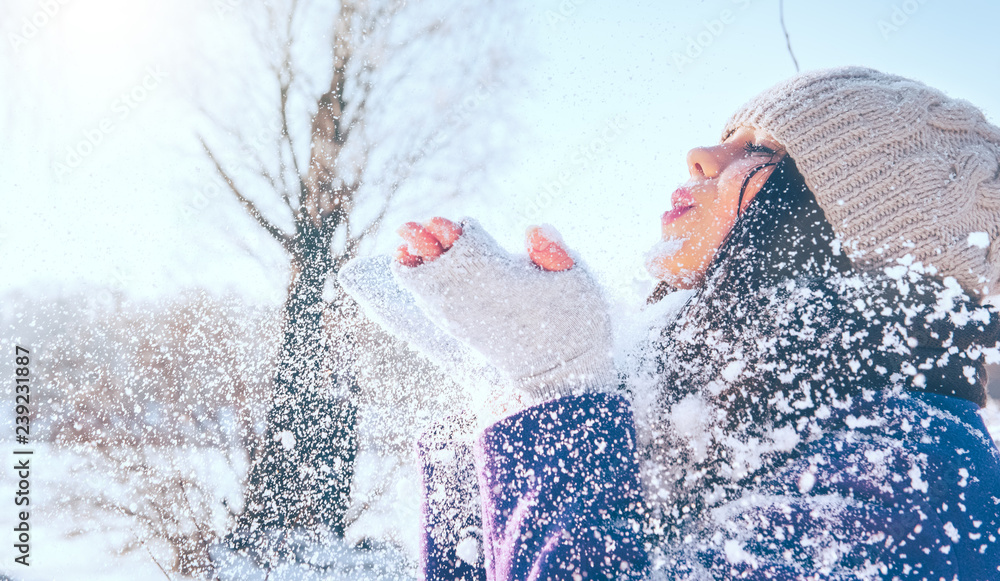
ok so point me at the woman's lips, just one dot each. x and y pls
(682, 197)
(669, 217)
(682, 201)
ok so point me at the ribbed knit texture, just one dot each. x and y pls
(898, 167)
(548, 332)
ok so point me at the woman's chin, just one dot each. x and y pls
(664, 267)
(659, 259)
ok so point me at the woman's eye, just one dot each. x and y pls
(752, 148)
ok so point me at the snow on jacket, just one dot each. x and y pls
(837, 437)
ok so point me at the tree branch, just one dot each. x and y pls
(788, 41)
(288, 138)
(353, 242)
(324, 186)
(262, 170)
(284, 239)
(158, 565)
(285, 85)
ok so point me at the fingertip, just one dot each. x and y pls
(554, 263)
(546, 250)
(404, 257)
(407, 229)
(533, 234)
(420, 242)
(446, 231)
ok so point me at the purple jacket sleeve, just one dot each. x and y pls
(560, 492)
(451, 511)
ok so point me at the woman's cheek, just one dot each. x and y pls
(715, 230)
(729, 188)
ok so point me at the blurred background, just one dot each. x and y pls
(181, 179)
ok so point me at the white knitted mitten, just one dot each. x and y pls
(549, 332)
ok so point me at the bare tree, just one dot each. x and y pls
(366, 139)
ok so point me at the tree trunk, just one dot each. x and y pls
(301, 476)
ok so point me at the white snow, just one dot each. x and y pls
(915, 479)
(661, 250)
(287, 440)
(979, 239)
(468, 550)
(688, 415)
(736, 554)
(951, 531)
(855, 423)
(733, 370)
(807, 481)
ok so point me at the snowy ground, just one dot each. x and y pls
(73, 536)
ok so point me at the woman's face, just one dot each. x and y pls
(704, 209)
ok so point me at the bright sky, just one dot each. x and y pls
(641, 82)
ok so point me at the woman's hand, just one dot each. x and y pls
(542, 321)
(425, 242)
(546, 250)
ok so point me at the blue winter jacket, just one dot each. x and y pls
(902, 486)
(893, 484)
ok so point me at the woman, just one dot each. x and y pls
(812, 411)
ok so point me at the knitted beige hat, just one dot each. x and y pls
(898, 167)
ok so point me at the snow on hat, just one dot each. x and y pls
(898, 167)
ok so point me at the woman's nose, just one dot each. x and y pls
(705, 162)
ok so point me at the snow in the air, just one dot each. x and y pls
(152, 299)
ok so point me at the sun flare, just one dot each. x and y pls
(102, 42)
